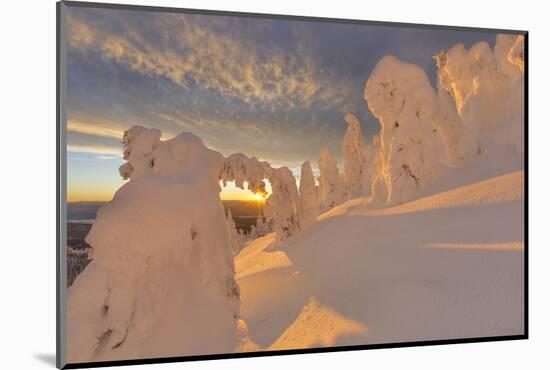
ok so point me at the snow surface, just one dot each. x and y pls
(309, 199)
(461, 277)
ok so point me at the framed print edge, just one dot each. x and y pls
(61, 186)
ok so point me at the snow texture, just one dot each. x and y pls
(474, 120)
(309, 200)
(401, 96)
(162, 239)
(355, 158)
(241, 169)
(331, 186)
(446, 266)
(238, 239)
(282, 207)
(262, 228)
(487, 89)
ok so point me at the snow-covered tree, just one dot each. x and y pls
(374, 180)
(331, 187)
(139, 144)
(354, 156)
(161, 247)
(262, 228)
(282, 208)
(485, 88)
(309, 200)
(77, 260)
(241, 169)
(401, 97)
(474, 119)
(237, 237)
(253, 233)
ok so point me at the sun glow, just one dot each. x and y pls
(259, 197)
(232, 192)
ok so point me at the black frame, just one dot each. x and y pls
(61, 200)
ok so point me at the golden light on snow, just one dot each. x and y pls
(317, 325)
(256, 260)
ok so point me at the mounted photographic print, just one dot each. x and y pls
(236, 185)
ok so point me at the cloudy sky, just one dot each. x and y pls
(273, 89)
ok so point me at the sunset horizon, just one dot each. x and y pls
(282, 100)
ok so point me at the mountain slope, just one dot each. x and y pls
(445, 266)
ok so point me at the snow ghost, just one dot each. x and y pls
(355, 158)
(401, 97)
(309, 202)
(474, 120)
(331, 186)
(485, 87)
(238, 239)
(161, 248)
(282, 208)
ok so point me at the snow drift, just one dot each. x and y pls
(446, 266)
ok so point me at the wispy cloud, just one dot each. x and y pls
(99, 149)
(273, 89)
(191, 53)
(95, 127)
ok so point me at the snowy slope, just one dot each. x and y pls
(446, 266)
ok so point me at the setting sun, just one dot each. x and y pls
(258, 197)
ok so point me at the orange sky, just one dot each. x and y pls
(81, 193)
